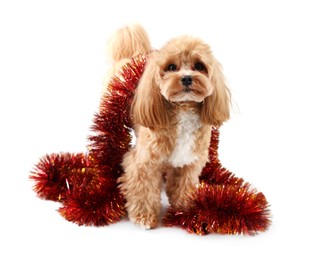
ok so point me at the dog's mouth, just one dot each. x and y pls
(188, 90)
(186, 94)
(191, 91)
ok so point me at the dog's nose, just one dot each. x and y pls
(186, 80)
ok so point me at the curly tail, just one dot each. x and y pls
(128, 42)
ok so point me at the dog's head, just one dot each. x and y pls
(184, 70)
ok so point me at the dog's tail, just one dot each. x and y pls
(128, 42)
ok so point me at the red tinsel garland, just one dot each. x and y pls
(86, 184)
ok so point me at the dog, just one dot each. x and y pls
(180, 97)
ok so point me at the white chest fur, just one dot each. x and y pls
(183, 154)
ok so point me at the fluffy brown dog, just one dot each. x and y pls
(180, 97)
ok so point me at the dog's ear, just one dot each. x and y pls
(216, 107)
(149, 108)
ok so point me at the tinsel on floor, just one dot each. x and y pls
(86, 184)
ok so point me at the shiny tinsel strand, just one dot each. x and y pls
(52, 175)
(95, 200)
(223, 209)
(86, 184)
(112, 124)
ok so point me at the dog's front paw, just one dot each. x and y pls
(146, 222)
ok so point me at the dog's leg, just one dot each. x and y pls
(181, 182)
(141, 187)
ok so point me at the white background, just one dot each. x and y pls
(52, 64)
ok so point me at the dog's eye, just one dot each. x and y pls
(199, 66)
(171, 67)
